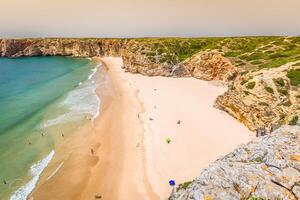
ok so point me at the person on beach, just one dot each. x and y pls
(92, 151)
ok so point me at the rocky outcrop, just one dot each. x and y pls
(266, 168)
(128, 49)
(139, 56)
(62, 47)
(263, 98)
(210, 66)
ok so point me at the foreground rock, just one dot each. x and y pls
(267, 168)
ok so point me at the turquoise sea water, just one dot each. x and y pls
(37, 94)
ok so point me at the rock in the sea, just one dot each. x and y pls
(266, 168)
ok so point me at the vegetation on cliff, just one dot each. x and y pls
(263, 76)
(247, 52)
(266, 168)
(256, 62)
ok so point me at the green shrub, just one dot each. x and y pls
(232, 54)
(269, 52)
(243, 57)
(244, 72)
(255, 56)
(294, 76)
(282, 91)
(277, 55)
(273, 63)
(186, 184)
(243, 82)
(256, 62)
(255, 198)
(279, 82)
(269, 89)
(263, 104)
(251, 85)
(258, 159)
(287, 104)
(294, 120)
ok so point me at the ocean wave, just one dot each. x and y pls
(93, 72)
(35, 171)
(80, 102)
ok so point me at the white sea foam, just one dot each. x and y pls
(35, 171)
(80, 102)
(93, 72)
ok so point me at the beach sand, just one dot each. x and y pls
(131, 157)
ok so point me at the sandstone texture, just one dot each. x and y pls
(263, 98)
(258, 96)
(266, 168)
(210, 66)
(139, 56)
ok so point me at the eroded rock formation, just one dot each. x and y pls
(266, 168)
(139, 56)
(210, 66)
(263, 98)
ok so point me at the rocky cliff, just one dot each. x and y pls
(210, 66)
(266, 98)
(263, 91)
(139, 56)
(266, 168)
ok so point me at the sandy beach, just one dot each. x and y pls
(150, 130)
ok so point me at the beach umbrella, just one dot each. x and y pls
(171, 182)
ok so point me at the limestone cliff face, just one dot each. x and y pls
(268, 102)
(266, 168)
(139, 56)
(62, 47)
(210, 66)
(263, 98)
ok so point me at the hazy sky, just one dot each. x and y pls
(141, 18)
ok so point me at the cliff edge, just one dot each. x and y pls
(266, 168)
(263, 78)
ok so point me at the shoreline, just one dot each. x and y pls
(131, 157)
(52, 123)
(167, 101)
(81, 163)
